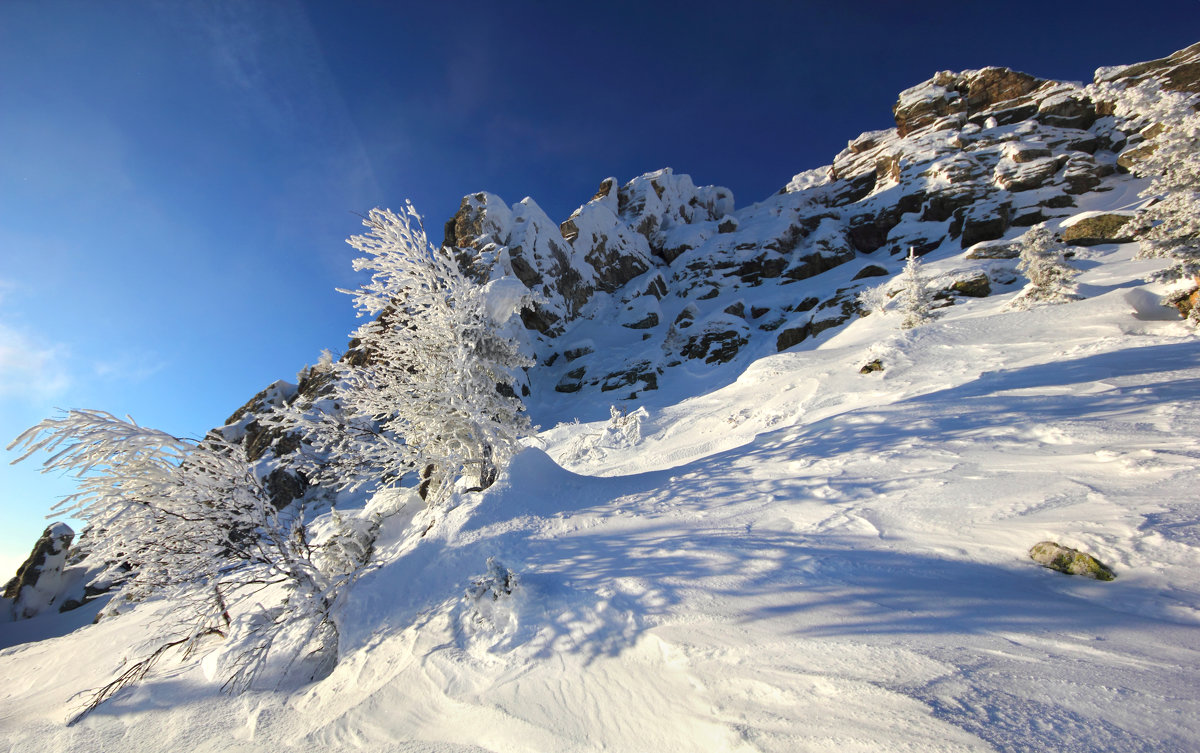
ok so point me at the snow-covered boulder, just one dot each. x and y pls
(41, 582)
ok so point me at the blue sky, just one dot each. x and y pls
(177, 178)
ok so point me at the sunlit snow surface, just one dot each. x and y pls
(806, 559)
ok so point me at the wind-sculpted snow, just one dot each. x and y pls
(805, 558)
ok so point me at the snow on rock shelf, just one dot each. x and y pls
(717, 546)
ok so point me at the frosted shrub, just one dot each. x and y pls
(625, 427)
(198, 525)
(872, 300)
(914, 301)
(1042, 261)
(623, 430)
(1170, 227)
(432, 391)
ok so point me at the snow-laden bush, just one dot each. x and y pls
(197, 524)
(487, 595)
(627, 425)
(1042, 261)
(873, 299)
(1170, 158)
(623, 430)
(432, 388)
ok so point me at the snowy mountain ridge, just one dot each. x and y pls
(765, 547)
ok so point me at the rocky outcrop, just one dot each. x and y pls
(1176, 72)
(41, 581)
(950, 99)
(1069, 561)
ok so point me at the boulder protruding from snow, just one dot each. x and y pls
(40, 582)
(1070, 561)
(1099, 228)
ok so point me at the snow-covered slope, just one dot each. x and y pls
(786, 554)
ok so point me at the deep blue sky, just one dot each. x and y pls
(177, 178)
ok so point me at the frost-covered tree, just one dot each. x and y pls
(914, 301)
(872, 299)
(1170, 158)
(432, 389)
(196, 523)
(1042, 261)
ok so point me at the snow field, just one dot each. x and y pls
(807, 559)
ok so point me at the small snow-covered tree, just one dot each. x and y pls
(914, 299)
(1170, 158)
(197, 525)
(433, 387)
(1042, 261)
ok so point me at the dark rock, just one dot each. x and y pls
(975, 286)
(1062, 201)
(574, 353)
(39, 581)
(647, 322)
(284, 486)
(1069, 561)
(1067, 111)
(876, 365)
(642, 371)
(572, 381)
(686, 317)
(736, 309)
(657, 288)
(871, 270)
(868, 232)
(790, 337)
(715, 344)
(981, 223)
(1003, 250)
(1028, 217)
(1082, 173)
(763, 266)
(942, 205)
(613, 268)
(1184, 301)
(1017, 177)
(1103, 228)
(814, 264)
(758, 311)
(539, 319)
(728, 225)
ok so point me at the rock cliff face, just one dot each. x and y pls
(658, 273)
(975, 157)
